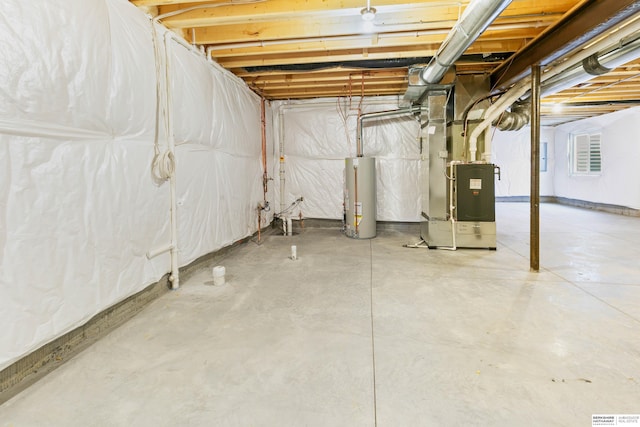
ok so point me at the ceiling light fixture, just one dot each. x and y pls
(368, 13)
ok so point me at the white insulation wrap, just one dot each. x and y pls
(315, 139)
(79, 207)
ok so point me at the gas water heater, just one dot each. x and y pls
(360, 197)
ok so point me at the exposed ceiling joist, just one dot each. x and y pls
(345, 55)
(585, 22)
(289, 49)
(395, 40)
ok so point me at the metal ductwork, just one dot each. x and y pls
(594, 65)
(378, 115)
(516, 119)
(475, 19)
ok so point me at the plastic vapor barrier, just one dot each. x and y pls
(79, 206)
(313, 139)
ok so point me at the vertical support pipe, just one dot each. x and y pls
(265, 176)
(535, 170)
(359, 136)
(282, 178)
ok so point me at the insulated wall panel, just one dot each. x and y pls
(217, 126)
(79, 206)
(316, 136)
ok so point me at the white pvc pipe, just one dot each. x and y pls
(175, 273)
(174, 277)
(523, 86)
(452, 207)
(325, 39)
(158, 251)
(289, 226)
(493, 112)
(169, 173)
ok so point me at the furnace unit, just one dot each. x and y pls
(458, 190)
(474, 205)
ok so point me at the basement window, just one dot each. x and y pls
(586, 157)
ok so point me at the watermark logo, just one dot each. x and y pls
(626, 420)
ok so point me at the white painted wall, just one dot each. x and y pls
(619, 182)
(616, 185)
(512, 152)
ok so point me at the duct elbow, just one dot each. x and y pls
(516, 119)
(592, 66)
(512, 121)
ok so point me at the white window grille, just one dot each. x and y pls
(586, 158)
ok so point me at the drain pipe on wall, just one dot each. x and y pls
(164, 163)
(175, 274)
(452, 207)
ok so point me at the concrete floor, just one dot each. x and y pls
(365, 333)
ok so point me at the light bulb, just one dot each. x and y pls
(368, 13)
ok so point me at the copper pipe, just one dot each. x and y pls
(259, 223)
(265, 176)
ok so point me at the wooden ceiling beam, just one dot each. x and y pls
(328, 45)
(611, 90)
(301, 29)
(603, 97)
(320, 92)
(303, 83)
(290, 32)
(179, 3)
(389, 12)
(277, 10)
(319, 76)
(355, 85)
(355, 88)
(361, 54)
(395, 41)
